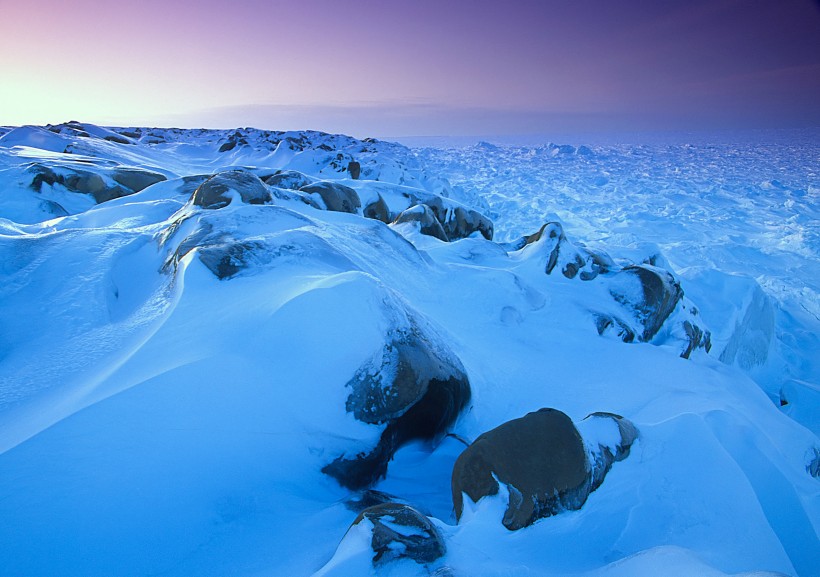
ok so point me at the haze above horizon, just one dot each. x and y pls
(419, 68)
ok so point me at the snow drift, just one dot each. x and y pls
(254, 365)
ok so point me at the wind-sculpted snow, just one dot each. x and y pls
(269, 353)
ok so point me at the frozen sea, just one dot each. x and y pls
(743, 203)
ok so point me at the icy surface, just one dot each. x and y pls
(158, 418)
(728, 217)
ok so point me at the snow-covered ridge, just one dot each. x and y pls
(250, 352)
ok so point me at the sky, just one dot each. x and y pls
(413, 67)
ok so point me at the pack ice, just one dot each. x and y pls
(247, 352)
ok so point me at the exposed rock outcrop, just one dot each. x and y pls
(137, 179)
(336, 197)
(651, 293)
(290, 179)
(459, 221)
(427, 222)
(216, 191)
(377, 210)
(103, 185)
(414, 387)
(355, 169)
(542, 460)
(401, 532)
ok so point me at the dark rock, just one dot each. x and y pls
(110, 193)
(573, 267)
(137, 179)
(226, 260)
(227, 146)
(289, 179)
(813, 468)
(84, 182)
(414, 388)
(79, 181)
(697, 338)
(540, 457)
(355, 169)
(573, 261)
(608, 325)
(214, 192)
(117, 139)
(401, 532)
(542, 460)
(465, 222)
(457, 221)
(191, 183)
(43, 175)
(377, 210)
(428, 223)
(337, 197)
(658, 295)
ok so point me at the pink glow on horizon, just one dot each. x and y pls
(662, 63)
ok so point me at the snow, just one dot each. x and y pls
(155, 419)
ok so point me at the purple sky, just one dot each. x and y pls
(414, 67)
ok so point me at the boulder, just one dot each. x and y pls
(427, 221)
(289, 179)
(464, 222)
(84, 182)
(542, 460)
(355, 169)
(216, 191)
(611, 326)
(540, 457)
(414, 388)
(563, 255)
(650, 293)
(401, 532)
(458, 221)
(337, 197)
(813, 467)
(77, 180)
(377, 210)
(137, 179)
(43, 175)
(227, 259)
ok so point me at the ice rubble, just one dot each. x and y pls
(176, 374)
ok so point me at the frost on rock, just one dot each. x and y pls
(542, 460)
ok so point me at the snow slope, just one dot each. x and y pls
(174, 377)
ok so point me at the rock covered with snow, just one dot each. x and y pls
(542, 460)
(414, 385)
(216, 191)
(400, 531)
